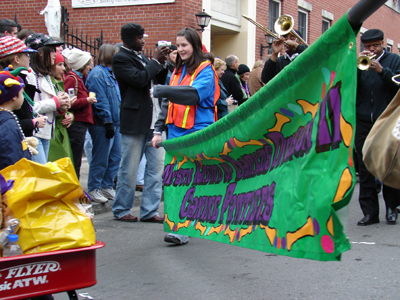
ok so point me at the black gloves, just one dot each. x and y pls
(109, 130)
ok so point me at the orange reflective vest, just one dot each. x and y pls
(183, 116)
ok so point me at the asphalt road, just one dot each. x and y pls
(137, 264)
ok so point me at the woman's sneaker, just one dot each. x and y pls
(97, 196)
(176, 239)
(108, 193)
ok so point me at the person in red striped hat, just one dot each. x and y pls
(13, 55)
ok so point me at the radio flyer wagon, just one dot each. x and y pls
(33, 275)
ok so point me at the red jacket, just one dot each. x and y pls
(81, 108)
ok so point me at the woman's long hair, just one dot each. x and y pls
(197, 57)
(40, 62)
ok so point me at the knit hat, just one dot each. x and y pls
(243, 69)
(59, 58)
(11, 45)
(372, 35)
(38, 40)
(129, 32)
(77, 58)
(10, 84)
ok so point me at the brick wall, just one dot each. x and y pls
(385, 19)
(161, 21)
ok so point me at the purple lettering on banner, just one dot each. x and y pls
(211, 202)
(266, 216)
(227, 172)
(240, 201)
(252, 206)
(192, 208)
(278, 140)
(232, 206)
(215, 211)
(328, 135)
(246, 206)
(186, 200)
(228, 195)
(204, 204)
(200, 207)
(299, 141)
(237, 166)
(263, 201)
(167, 175)
(257, 202)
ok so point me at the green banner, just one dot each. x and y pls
(272, 175)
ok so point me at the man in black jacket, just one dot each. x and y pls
(276, 64)
(136, 75)
(375, 90)
(229, 79)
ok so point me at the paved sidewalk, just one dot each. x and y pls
(99, 207)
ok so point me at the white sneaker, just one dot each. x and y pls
(97, 196)
(108, 193)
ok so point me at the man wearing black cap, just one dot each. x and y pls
(275, 64)
(375, 90)
(136, 75)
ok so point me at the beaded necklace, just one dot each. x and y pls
(31, 104)
(40, 97)
(19, 126)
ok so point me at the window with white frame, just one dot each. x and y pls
(389, 48)
(326, 24)
(303, 23)
(274, 13)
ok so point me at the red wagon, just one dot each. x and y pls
(33, 275)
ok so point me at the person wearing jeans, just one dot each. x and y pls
(136, 74)
(132, 151)
(106, 138)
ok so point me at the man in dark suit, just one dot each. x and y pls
(229, 79)
(136, 75)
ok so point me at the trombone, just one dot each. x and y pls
(263, 28)
(364, 62)
(284, 25)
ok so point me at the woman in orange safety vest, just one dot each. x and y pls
(192, 94)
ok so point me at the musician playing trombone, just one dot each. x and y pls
(288, 43)
(375, 90)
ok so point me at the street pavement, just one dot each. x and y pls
(137, 264)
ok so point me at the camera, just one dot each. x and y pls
(235, 102)
(163, 43)
(71, 92)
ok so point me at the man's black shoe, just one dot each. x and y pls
(368, 220)
(391, 216)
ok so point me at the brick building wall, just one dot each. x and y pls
(385, 19)
(161, 21)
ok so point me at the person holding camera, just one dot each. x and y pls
(136, 75)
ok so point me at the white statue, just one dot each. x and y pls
(52, 17)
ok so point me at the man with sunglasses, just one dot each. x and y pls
(375, 90)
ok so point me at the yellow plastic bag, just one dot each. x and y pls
(46, 199)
